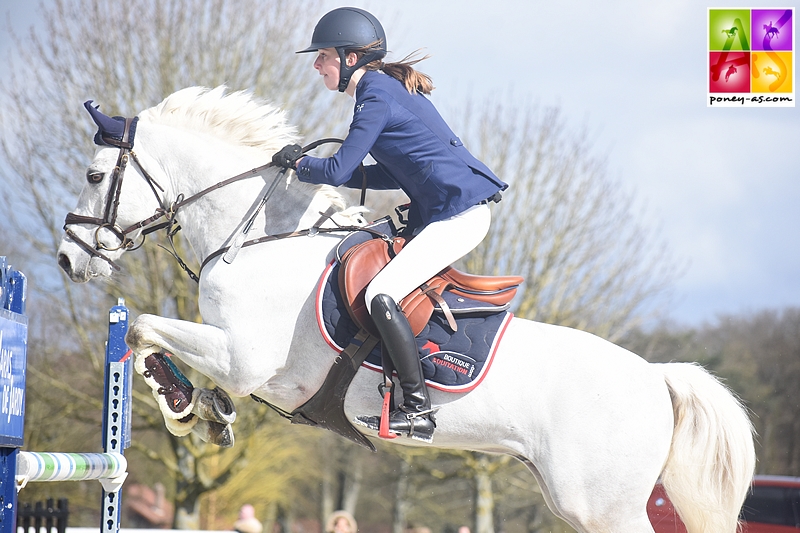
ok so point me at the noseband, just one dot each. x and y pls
(109, 220)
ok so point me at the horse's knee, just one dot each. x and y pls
(140, 336)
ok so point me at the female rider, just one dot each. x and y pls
(415, 151)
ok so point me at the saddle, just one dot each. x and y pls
(362, 262)
(359, 263)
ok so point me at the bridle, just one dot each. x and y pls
(109, 220)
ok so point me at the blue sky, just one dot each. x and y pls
(722, 184)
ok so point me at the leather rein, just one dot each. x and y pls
(169, 213)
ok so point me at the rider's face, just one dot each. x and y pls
(327, 64)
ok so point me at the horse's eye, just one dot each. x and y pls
(94, 176)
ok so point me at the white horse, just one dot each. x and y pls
(595, 424)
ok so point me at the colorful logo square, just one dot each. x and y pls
(729, 29)
(772, 29)
(730, 72)
(751, 57)
(771, 72)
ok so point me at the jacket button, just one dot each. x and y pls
(454, 142)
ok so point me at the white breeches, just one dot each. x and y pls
(436, 247)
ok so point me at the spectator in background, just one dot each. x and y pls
(341, 522)
(247, 522)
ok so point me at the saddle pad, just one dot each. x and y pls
(451, 361)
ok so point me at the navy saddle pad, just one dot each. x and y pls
(451, 361)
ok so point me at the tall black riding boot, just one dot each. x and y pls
(414, 417)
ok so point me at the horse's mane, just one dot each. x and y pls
(238, 117)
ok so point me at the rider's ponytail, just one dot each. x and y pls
(403, 70)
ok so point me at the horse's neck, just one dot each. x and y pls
(277, 280)
(195, 162)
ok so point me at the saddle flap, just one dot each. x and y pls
(383, 226)
(418, 306)
(360, 264)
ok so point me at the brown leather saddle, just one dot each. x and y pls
(361, 263)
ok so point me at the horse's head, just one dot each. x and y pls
(194, 142)
(116, 199)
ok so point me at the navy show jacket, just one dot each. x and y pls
(415, 151)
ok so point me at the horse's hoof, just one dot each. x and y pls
(214, 405)
(214, 433)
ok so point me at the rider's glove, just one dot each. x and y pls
(288, 156)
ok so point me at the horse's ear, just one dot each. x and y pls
(113, 127)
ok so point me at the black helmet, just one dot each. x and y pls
(347, 28)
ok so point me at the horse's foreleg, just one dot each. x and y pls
(185, 408)
(203, 347)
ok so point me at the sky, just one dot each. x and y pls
(721, 185)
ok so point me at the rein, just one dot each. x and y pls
(310, 232)
(109, 220)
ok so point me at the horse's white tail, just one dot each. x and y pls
(712, 459)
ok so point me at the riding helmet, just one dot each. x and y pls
(348, 28)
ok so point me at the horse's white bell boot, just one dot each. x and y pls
(208, 430)
(182, 427)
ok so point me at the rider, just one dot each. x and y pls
(415, 151)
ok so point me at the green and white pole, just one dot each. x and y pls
(42, 466)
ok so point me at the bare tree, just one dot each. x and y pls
(758, 355)
(127, 57)
(343, 475)
(589, 261)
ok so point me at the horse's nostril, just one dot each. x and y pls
(63, 262)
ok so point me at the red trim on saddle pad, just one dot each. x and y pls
(318, 306)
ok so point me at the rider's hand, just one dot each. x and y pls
(288, 155)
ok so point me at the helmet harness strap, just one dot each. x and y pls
(346, 72)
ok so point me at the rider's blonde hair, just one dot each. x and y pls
(403, 70)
